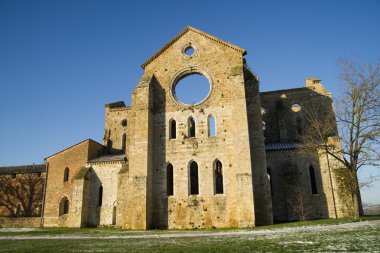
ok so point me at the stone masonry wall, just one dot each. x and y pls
(105, 175)
(20, 222)
(282, 124)
(286, 196)
(230, 145)
(73, 158)
(116, 124)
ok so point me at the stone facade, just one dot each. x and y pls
(159, 166)
(20, 222)
(22, 190)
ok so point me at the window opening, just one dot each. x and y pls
(296, 108)
(169, 180)
(114, 215)
(100, 202)
(299, 126)
(192, 89)
(191, 125)
(194, 185)
(123, 141)
(218, 177)
(172, 129)
(269, 172)
(66, 175)
(211, 126)
(64, 206)
(313, 182)
(189, 51)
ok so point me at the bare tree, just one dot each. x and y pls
(358, 119)
(22, 195)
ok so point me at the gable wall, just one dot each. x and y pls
(227, 103)
(73, 158)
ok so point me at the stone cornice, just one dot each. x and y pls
(105, 162)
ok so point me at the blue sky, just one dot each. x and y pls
(61, 61)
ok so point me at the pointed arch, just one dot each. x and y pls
(299, 125)
(100, 196)
(123, 141)
(191, 127)
(114, 215)
(194, 180)
(218, 177)
(66, 174)
(313, 182)
(269, 173)
(169, 180)
(63, 206)
(172, 129)
(211, 125)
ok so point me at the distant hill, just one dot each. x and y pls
(371, 209)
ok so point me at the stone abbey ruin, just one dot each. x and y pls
(230, 160)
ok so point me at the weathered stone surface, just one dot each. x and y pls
(20, 222)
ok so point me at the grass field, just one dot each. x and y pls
(321, 235)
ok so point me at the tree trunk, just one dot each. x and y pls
(359, 197)
(356, 196)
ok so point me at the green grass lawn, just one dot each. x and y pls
(351, 239)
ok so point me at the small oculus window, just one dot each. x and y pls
(189, 51)
(296, 108)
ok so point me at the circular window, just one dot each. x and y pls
(189, 51)
(124, 122)
(296, 108)
(192, 89)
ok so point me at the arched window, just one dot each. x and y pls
(191, 126)
(194, 185)
(218, 177)
(172, 129)
(123, 141)
(313, 182)
(169, 179)
(108, 138)
(66, 174)
(114, 215)
(63, 206)
(211, 126)
(100, 200)
(66, 207)
(269, 173)
(299, 126)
